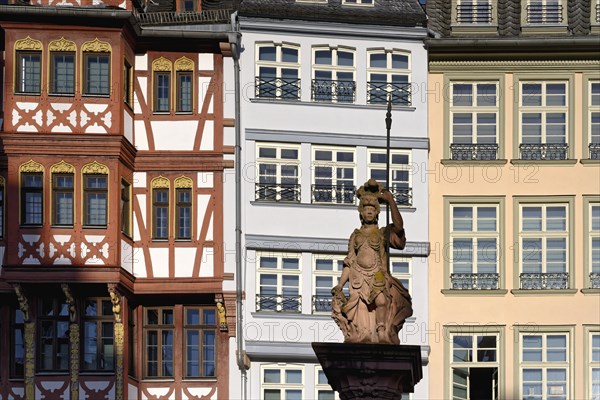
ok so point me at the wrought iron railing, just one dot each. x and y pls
(538, 13)
(598, 12)
(321, 303)
(594, 151)
(340, 194)
(278, 192)
(473, 13)
(378, 92)
(551, 280)
(279, 303)
(403, 197)
(460, 151)
(180, 18)
(544, 151)
(333, 91)
(595, 280)
(277, 88)
(484, 281)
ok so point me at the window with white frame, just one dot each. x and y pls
(282, 382)
(388, 75)
(278, 71)
(474, 111)
(322, 389)
(594, 120)
(544, 365)
(474, 237)
(279, 282)
(593, 342)
(358, 2)
(543, 120)
(594, 244)
(399, 178)
(471, 12)
(474, 365)
(544, 236)
(333, 175)
(278, 172)
(401, 269)
(545, 12)
(327, 269)
(333, 74)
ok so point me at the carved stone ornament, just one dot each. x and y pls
(116, 301)
(183, 182)
(162, 64)
(28, 44)
(184, 64)
(62, 44)
(95, 168)
(160, 182)
(96, 46)
(62, 168)
(70, 302)
(222, 314)
(31, 166)
(74, 341)
(23, 303)
(119, 347)
(2, 181)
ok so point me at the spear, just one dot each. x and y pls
(388, 126)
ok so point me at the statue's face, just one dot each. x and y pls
(369, 214)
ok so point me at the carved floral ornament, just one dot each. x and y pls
(2, 181)
(95, 168)
(62, 44)
(62, 168)
(31, 166)
(184, 64)
(162, 64)
(96, 46)
(183, 182)
(28, 44)
(160, 182)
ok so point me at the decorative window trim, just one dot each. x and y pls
(62, 168)
(389, 71)
(184, 66)
(56, 47)
(160, 183)
(95, 168)
(30, 167)
(92, 47)
(27, 46)
(186, 184)
(588, 234)
(282, 386)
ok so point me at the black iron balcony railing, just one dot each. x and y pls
(181, 18)
(544, 151)
(378, 92)
(278, 192)
(277, 88)
(460, 151)
(279, 303)
(339, 194)
(552, 280)
(595, 280)
(485, 281)
(403, 196)
(474, 13)
(333, 91)
(594, 151)
(321, 303)
(538, 13)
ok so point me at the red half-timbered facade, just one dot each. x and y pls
(112, 158)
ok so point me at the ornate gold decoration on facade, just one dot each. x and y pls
(162, 64)
(74, 340)
(95, 168)
(184, 64)
(183, 182)
(62, 168)
(119, 343)
(2, 181)
(28, 44)
(160, 182)
(70, 302)
(31, 166)
(62, 44)
(115, 300)
(222, 314)
(29, 368)
(96, 46)
(23, 303)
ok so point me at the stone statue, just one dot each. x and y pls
(378, 304)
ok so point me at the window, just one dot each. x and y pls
(544, 12)
(278, 71)
(184, 83)
(160, 208)
(400, 167)
(474, 236)
(593, 357)
(183, 208)
(2, 181)
(278, 172)
(125, 207)
(62, 72)
(28, 74)
(471, 12)
(594, 119)
(327, 272)
(96, 74)
(17, 358)
(285, 383)
(389, 74)
(543, 121)
(158, 342)
(98, 350)
(358, 2)
(62, 199)
(333, 175)
(474, 365)
(162, 90)
(474, 120)
(128, 83)
(279, 283)
(32, 205)
(333, 75)
(200, 341)
(95, 198)
(322, 389)
(593, 245)
(188, 5)
(544, 235)
(53, 335)
(401, 269)
(544, 365)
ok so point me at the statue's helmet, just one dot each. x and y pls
(369, 194)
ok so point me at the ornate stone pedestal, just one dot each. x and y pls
(370, 371)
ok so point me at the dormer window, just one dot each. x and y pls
(474, 12)
(358, 2)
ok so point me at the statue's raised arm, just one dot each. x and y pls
(397, 235)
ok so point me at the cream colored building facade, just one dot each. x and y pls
(514, 179)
